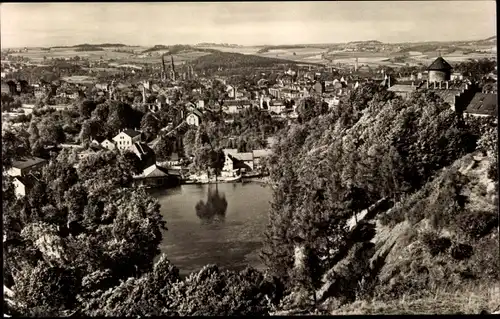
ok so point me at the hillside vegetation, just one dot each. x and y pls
(381, 151)
(229, 60)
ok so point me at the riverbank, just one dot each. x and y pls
(257, 179)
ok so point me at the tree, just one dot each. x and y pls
(86, 107)
(100, 236)
(51, 132)
(93, 128)
(150, 126)
(101, 112)
(165, 147)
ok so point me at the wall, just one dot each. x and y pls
(438, 76)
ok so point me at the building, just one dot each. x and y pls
(318, 87)
(277, 107)
(27, 165)
(23, 184)
(235, 106)
(237, 162)
(145, 154)
(126, 139)
(194, 118)
(404, 90)
(439, 71)
(483, 105)
(156, 176)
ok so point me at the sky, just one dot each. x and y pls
(244, 23)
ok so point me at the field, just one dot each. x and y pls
(79, 79)
(310, 54)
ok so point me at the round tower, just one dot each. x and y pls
(439, 71)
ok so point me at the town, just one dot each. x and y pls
(173, 102)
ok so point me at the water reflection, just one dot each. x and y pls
(214, 209)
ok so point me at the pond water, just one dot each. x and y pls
(220, 224)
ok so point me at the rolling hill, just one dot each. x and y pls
(237, 60)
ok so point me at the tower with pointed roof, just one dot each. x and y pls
(439, 71)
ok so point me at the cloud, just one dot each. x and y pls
(46, 24)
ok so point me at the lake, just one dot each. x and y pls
(209, 224)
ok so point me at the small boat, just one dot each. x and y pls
(230, 179)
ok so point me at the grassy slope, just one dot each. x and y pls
(401, 255)
(405, 251)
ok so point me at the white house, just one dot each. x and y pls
(22, 184)
(108, 144)
(126, 138)
(194, 118)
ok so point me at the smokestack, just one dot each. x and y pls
(163, 67)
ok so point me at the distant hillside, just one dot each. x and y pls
(175, 49)
(277, 47)
(369, 42)
(86, 45)
(237, 60)
(489, 41)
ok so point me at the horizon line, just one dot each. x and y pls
(250, 45)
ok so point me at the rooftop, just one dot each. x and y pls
(243, 156)
(261, 153)
(484, 104)
(402, 88)
(27, 162)
(131, 133)
(439, 64)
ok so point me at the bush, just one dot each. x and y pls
(493, 171)
(435, 244)
(462, 251)
(212, 291)
(476, 224)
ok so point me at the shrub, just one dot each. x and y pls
(493, 171)
(476, 224)
(435, 244)
(462, 251)
(212, 291)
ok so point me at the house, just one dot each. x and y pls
(243, 161)
(194, 117)
(107, 144)
(156, 176)
(26, 166)
(126, 138)
(228, 169)
(237, 162)
(277, 107)
(23, 184)
(483, 105)
(404, 90)
(145, 154)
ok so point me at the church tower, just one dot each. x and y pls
(172, 69)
